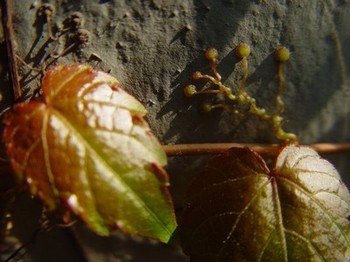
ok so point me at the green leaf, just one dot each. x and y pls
(239, 210)
(87, 149)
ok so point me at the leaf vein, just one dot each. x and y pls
(231, 180)
(262, 252)
(67, 80)
(278, 208)
(253, 198)
(303, 191)
(46, 154)
(312, 172)
(304, 239)
(110, 169)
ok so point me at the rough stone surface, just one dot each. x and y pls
(153, 46)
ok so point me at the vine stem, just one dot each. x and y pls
(7, 12)
(263, 149)
(220, 148)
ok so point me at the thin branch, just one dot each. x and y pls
(263, 149)
(7, 12)
(220, 148)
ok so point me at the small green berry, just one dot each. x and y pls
(206, 107)
(190, 90)
(196, 75)
(242, 50)
(282, 54)
(211, 54)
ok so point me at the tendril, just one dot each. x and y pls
(236, 102)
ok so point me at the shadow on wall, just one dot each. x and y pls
(194, 126)
(217, 21)
(313, 75)
(188, 124)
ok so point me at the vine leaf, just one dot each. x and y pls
(239, 210)
(87, 149)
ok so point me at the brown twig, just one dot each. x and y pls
(263, 149)
(7, 11)
(220, 148)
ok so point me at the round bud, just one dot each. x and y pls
(46, 10)
(282, 54)
(206, 107)
(190, 90)
(196, 75)
(75, 20)
(242, 50)
(211, 54)
(83, 37)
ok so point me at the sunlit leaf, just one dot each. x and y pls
(238, 210)
(87, 148)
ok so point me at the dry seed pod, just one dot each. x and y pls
(74, 21)
(46, 11)
(83, 37)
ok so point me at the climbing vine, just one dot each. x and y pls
(83, 147)
(240, 97)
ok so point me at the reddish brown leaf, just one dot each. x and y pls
(238, 210)
(87, 148)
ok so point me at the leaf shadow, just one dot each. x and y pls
(217, 21)
(209, 21)
(219, 126)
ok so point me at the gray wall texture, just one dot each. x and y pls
(153, 46)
